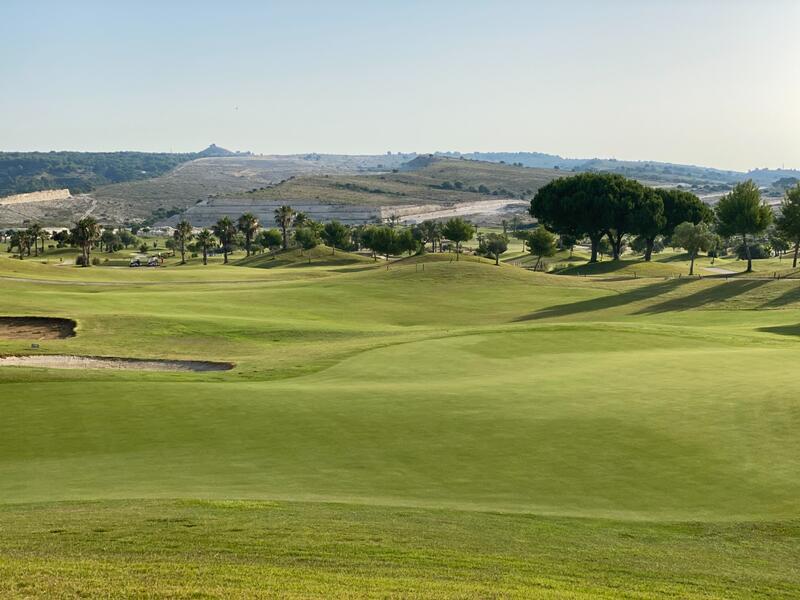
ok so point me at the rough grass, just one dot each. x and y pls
(649, 424)
(247, 549)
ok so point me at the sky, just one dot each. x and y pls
(707, 82)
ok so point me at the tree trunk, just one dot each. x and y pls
(796, 248)
(648, 252)
(747, 253)
(616, 244)
(497, 260)
(458, 249)
(225, 255)
(691, 265)
(595, 243)
(285, 240)
(205, 255)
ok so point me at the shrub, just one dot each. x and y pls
(79, 260)
(96, 261)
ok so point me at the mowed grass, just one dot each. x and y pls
(457, 430)
(248, 549)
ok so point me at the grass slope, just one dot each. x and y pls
(650, 424)
(321, 256)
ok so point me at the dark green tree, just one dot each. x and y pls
(248, 225)
(541, 243)
(225, 231)
(692, 238)
(269, 238)
(741, 212)
(789, 220)
(459, 231)
(85, 234)
(306, 237)
(575, 206)
(205, 241)
(495, 244)
(335, 234)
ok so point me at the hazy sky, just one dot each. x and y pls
(706, 82)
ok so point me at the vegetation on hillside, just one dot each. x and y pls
(80, 172)
(435, 180)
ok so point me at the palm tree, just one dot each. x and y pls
(33, 234)
(205, 239)
(248, 225)
(225, 231)
(432, 232)
(300, 219)
(44, 235)
(85, 233)
(283, 219)
(182, 234)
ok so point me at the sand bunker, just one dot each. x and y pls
(36, 328)
(60, 361)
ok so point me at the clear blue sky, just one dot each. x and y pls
(705, 82)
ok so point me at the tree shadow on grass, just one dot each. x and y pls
(793, 330)
(604, 302)
(790, 296)
(604, 267)
(709, 294)
(681, 257)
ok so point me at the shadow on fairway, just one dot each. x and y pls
(679, 295)
(790, 296)
(605, 302)
(793, 330)
(710, 294)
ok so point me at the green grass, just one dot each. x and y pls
(321, 256)
(457, 430)
(246, 549)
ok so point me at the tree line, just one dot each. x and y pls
(599, 207)
(292, 229)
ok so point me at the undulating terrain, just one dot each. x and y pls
(428, 428)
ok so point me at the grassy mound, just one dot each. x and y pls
(321, 256)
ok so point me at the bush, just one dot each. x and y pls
(79, 260)
(95, 261)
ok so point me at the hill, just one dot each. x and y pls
(645, 170)
(423, 180)
(22, 172)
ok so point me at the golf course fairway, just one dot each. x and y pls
(458, 430)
